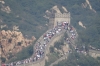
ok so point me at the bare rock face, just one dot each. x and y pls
(64, 9)
(5, 8)
(2, 1)
(12, 42)
(56, 9)
(81, 24)
(86, 4)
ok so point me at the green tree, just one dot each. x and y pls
(51, 49)
(3, 59)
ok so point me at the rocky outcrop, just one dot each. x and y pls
(64, 9)
(5, 8)
(12, 42)
(2, 1)
(3, 26)
(81, 24)
(86, 4)
(56, 9)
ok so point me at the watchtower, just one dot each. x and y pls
(58, 18)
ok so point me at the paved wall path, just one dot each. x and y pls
(41, 62)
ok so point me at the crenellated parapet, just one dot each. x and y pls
(62, 15)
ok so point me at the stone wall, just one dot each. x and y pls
(59, 17)
(51, 23)
(60, 20)
(42, 61)
(94, 53)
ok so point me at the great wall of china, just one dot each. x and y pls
(58, 17)
(41, 62)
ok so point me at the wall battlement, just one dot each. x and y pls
(64, 15)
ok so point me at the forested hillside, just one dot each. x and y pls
(75, 59)
(28, 15)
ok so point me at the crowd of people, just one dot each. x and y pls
(72, 34)
(40, 46)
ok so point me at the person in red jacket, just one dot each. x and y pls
(3, 64)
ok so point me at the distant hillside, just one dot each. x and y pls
(28, 15)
